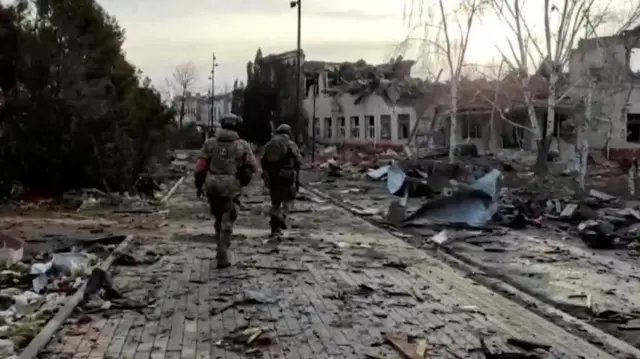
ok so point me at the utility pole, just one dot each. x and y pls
(214, 64)
(293, 4)
(314, 124)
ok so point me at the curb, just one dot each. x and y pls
(49, 330)
(508, 289)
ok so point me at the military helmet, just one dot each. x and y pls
(284, 128)
(231, 121)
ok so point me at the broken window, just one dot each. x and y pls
(385, 127)
(328, 126)
(355, 127)
(470, 129)
(634, 60)
(333, 79)
(311, 81)
(316, 127)
(633, 127)
(342, 130)
(404, 126)
(370, 122)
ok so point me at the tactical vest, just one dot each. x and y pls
(223, 158)
(280, 157)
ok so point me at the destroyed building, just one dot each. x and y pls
(493, 114)
(358, 102)
(270, 93)
(611, 62)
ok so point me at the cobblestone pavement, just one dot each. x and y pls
(331, 288)
(549, 262)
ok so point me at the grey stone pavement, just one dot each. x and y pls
(331, 288)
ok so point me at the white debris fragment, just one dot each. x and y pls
(7, 349)
(440, 238)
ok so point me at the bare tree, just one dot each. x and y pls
(564, 21)
(606, 77)
(181, 82)
(451, 44)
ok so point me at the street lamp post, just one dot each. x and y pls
(293, 4)
(313, 125)
(213, 83)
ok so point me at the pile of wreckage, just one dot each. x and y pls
(471, 195)
(41, 276)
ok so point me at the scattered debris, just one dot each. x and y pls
(407, 350)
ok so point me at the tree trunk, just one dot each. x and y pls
(582, 138)
(453, 125)
(542, 166)
(533, 121)
(181, 114)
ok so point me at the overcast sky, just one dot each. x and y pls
(161, 34)
(164, 33)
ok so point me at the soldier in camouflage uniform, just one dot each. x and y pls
(226, 164)
(281, 163)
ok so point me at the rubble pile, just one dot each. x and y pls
(33, 286)
(484, 191)
(149, 192)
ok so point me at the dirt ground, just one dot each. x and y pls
(550, 264)
(333, 287)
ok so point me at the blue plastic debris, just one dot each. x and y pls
(473, 206)
(379, 173)
(395, 178)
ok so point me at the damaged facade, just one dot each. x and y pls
(381, 104)
(273, 78)
(358, 102)
(609, 61)
(493, 114)
(198, 107)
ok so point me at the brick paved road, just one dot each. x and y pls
(331, 289)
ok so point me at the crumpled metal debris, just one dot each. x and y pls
(473, 206)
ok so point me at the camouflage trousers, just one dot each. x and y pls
(225, 213)
(282, 192)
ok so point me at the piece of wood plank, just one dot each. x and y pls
(407, 350)
(173, 190)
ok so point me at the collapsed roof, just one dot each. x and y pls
(391, 80)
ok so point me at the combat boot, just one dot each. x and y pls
(222, 255)
(276, 226)
(222, 259)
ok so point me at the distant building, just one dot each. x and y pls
(357, 102)
(198, 107)
(613, 62)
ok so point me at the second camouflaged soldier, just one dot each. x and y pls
(226, 164)
(281, 164)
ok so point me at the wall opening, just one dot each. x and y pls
(316, 128)
(312, 81)
(470, 128)
(634, 60)
(385, 127)
(370, 122)
(404, 126)
(342, 130)
(633, 127)
(355, 126)
(328, 127)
